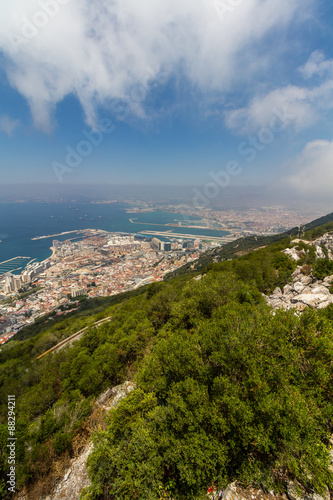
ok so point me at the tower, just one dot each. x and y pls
(301, 231)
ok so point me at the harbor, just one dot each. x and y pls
(12, 265)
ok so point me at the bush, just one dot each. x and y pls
(306, 269)
(322, 268)
(61, 443)
(243, 396)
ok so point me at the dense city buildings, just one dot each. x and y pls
(102, 264)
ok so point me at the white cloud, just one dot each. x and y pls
(100, 49)
(290, 100)
(8, 125)
(304, 105)
(317, 65)
(311, 173)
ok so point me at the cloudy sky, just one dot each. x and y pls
(167, 91)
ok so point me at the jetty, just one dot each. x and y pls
(55, 235)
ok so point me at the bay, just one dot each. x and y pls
(19, 222)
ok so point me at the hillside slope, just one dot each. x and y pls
(225, 389)
(248, 244)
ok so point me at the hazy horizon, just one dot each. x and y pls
(240, 197)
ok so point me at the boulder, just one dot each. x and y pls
(296, 492)
(306, 280)
(234, 492)
(305, 292)
(275, 303)
(288, 289)
(320, 254)
(299, 287)
(299, 306)
(321, 290)
(293, 253)
(297, 273)
(311, 299)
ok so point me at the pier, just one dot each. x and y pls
(55, 235)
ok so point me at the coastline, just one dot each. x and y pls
(58, 220)
(52, 256)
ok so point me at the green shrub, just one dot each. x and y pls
(242, 395)
(62, 442)
(322, 268)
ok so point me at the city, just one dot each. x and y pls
(99, 265)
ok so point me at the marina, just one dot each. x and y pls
(12, 265)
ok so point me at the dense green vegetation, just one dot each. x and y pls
(225, 390)
(54, 395)
(85, 309)
(265, 269)
(245, 396)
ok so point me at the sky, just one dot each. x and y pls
(205, 93)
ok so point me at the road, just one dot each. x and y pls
(75, 336)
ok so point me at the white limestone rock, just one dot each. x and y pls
(320, 290)
(306, 280)
(299, 287)
(293, 253)
(311, 299)
(320, 254)
(288, 289)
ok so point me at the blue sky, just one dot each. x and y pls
(167, 92)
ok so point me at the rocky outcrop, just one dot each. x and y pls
(76, 477)
(294, 491)
(324, 242)
(304, 291)
(323, 248)
(235, 492)
(294, 253)
(112, 397)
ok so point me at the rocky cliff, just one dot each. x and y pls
(76, 477)
(306, 290)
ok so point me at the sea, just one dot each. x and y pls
(20, 222)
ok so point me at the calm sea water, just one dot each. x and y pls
(19, 222)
